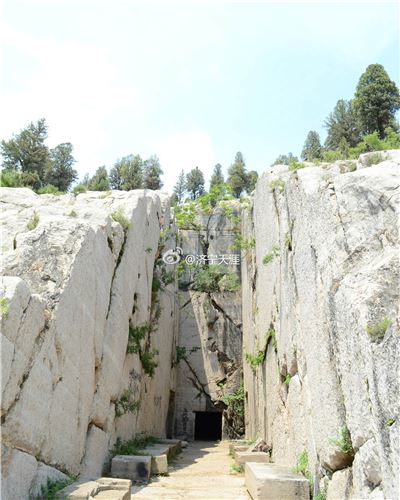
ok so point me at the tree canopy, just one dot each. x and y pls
(152, 173)
(195, 183)
(99, 182)
(237, 176)
(180, 187)
(343, 124)
(312, 149)
(217, 177)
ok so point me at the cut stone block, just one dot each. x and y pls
(133, 467)
(241, 457)
(159, 464)
(234, 448)
(274, 482)
(175, 446)
(102, 488)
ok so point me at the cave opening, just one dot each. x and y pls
(208, 425)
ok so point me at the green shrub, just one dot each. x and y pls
(275, 252)
(119, 216)
(235, 401)
(277, 184)
(374, 159)
(287, 380)
(321, 495)
(80, 188)
(33, 222)
(10, 178)
(242, 243)
(50, 490)
(331, 156)
(183, 353)
(135, 336)
(255, 360)
(73, 214)
(215, 278)
(343, 441)
(302, 464)
(148, 250)
(237, 469)
(49, 189)
(134, 446)
(390, 422)
(378, 330)
(149, 364)
(125, 404)
(271, 337)
(4, 307)
(104, 195)
(296, 165)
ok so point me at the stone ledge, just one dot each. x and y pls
(103, 488)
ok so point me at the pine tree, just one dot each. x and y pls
(195, 183)
(376, 100)
(60, 172)
(252, 178)
(285, 159)
(312, 147)
(342, 123)
(99, 182)
(152, 173)
(127, 173)
(180, 187)
(237, 176)
(217, 177)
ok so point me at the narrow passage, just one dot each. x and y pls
(202, 471)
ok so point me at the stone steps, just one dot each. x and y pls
(275, 482)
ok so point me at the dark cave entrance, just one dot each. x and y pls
(208, 425)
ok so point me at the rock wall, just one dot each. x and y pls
(320, 302)
(78, 274)
(210, 333)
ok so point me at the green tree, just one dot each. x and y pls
(27, 152)
(217, 177)
(342, 123)
(285, 159)
(195, 183)
(60, 172)
(252, 178)
(127, 173)
(237, 176)
(99, 182)
(152, 173)
(312, 147)
(180, 187)
(376, 99)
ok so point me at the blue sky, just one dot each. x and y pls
(193, 82)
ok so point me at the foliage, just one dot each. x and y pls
(73, 214)
(27, 152)
(152, 173)
(180, 187)
(182, 352)
(217, 178)
(79, 188)
(134, 446)
(149, 364)
(302, 464)
(252, 178)
(127, 173)
(4, 307)
(125, 404)
(378, 330)
(195, 183)
(237, 176)
(376, 100)
(215, 278)
(390, 422)
(285, 159)
(50, 490)
(277, 184)
(10, 178)
(49, 189)
(60, 172)
(312, 147)
(235, 401)
(342, 125)
(296, 165)
(135, 336)
(287, 380)
(288, 240)
(321, 495)
(343, 441)
(119, 216)
(374, 159)
(33, 222)
(271, 337)
(269, 257)
(242, 243)
(99, 182)
(237, 468)
(255, 359)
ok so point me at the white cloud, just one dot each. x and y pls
(74, 86)
(185, 151)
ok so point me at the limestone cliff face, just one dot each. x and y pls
(210, 333)
(320, 300)
(78, 275)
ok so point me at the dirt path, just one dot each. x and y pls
(202, 472)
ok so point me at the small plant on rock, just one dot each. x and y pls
(34, 221)
(4, 307)
(321, 495)
(148, 362)
(236, 469)
(134, 446)
(343, 441)
(271, 337)
(235, 401)
(126, 404)
(120, 217)
(277, 184)
(287, 380)
(377, 331)
(275, 252)
(136, 335)
(50, 490)
(72, 214)
(255, 360)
